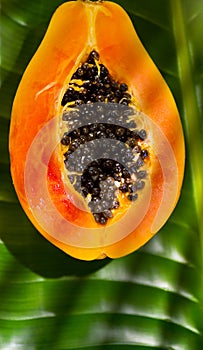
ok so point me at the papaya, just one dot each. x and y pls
(96, 142)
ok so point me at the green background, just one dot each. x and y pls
(151, 299)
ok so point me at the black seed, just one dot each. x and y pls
(80, 72)
(111, 136)
(137, 149)
(96, 191)
(108, 131)
(143, 134)
(108, 164)
(114, 113)
(66, 162)
(85, 130)
(101, 134)
(127, 96)
(90, 136)
(83, 139)
(100, 98)
(96, 217)
(102, 127)
(132, 197)
(107, 85)
(128, 112)
(92, 171)
(105, 204)
(110, 197)
(125, 174)
(87, 85)
(123, 87)
(106, 80)
(140, 184)
(93, 56)
(84, 178)
(102, 219)
(120, 131)
(141, 174)
(132, 188)
(114, 85)
(70, 90)
(122, 138)
(94, 127)
(93, 98)
(102, 177)
(123, 188)
(131, 124)
(77, 142)
(99, 85)
(79, 102)
(66, 116)
(129, 155)
(98, 208)
(90, 185)
(107, 213)
(94, 71)
(83, 96)
(98, 134)
(95, 199)
(117, 168)
(85, 66)
(115, 204)
(91, 205)
(100, 108)
(103, 71)
(131, 142)
(117, 177)
(65, 99)
(133, 168)
(118, 94)
(67, 154)
(73, 115)
(77, 186)
(107, 91)
(104, 186)
(85, 192)
(139, 162)
(127, 132)
(94, 163)
(124, 102)
(75, 133)
(74, 76)
(110, 97)
(134, 134)
(65, 140)
(91, 77)
(144, 153)
(72, 147)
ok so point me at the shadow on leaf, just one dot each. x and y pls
(34, 251)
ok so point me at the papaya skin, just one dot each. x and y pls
(76, 28)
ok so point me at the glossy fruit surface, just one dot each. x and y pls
(98, 36)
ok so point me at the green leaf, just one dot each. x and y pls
(151, 299)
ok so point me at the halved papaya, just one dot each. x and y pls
(96, 143)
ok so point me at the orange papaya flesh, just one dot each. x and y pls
(82, 33)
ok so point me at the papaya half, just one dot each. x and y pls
(96, 142)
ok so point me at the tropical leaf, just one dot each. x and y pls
(152, 298)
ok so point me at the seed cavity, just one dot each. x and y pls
(103, 147)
